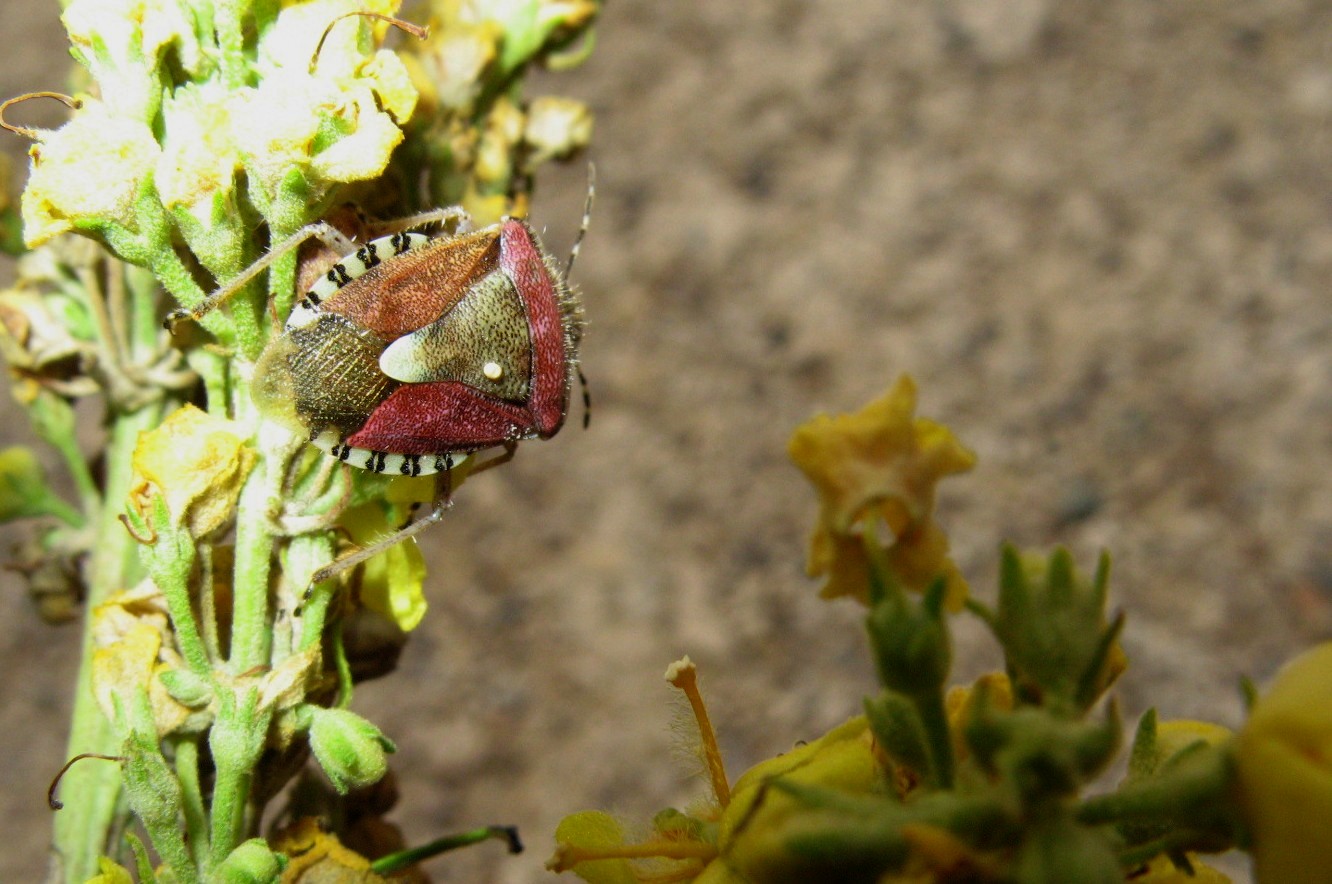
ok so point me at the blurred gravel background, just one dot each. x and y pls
(1098, 233)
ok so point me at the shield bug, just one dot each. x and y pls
(413, 352)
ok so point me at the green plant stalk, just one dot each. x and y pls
(170, 563)
(938, 736)
(152, 788)
(93, 790)
(196, 816)
(236, 740)
(315, 609)
(77, 464)
(251, 631)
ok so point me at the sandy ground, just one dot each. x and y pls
(1098, 233)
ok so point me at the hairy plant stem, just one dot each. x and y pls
(92, 790)
(251, 631)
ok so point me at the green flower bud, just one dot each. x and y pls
(253, 862)
(1051, 622)
(186, 688)
(911, 643)
(351, 750)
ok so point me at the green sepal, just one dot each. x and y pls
(151, 786)
(1142, 757)
(898, 729)
(142, 861)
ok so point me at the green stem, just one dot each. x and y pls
(93, 790)
(77, 465)
(236, 740)
(314, 612)
(251, 630)
(145, 325)
(170, 562)
(938, 737)
(196, 817)
(176, 278)
(227, 16)
(387, 865)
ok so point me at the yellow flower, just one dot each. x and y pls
(878, 468)
(1284, 758)
(132, 646)
(198, 463)
(64, 193)
(392, 583)
(339, 121)
(1162, 871)
(199, 161)
(316, 854)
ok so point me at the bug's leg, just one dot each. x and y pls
(457, 214)
(510, 449)
(443, 501)
(325, 233)
(587, 398)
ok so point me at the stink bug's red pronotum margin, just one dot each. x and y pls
(411, 352)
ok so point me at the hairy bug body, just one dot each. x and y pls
(411, 353)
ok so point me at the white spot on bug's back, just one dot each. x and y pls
(492, 370)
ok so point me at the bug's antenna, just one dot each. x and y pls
(71, 103)
(415, 30)
(587, 220)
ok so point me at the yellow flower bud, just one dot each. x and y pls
(753, 839)
(1284, 758)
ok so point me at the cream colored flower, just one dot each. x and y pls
(87, 174)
